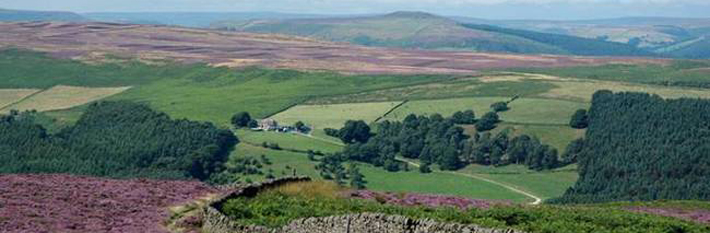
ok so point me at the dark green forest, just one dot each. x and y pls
(642, 147)
(115, 139)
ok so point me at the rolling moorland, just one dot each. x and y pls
(193, 80)
(632, 36)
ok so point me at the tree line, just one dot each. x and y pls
(435, 140)
(642, 147)
(115, 139)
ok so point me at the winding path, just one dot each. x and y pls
(537, 200)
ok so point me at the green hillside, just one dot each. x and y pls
(20, 15)
(670, 37)
(424, 31)
(569, 44)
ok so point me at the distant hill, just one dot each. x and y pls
(426, 31)
(189, 19)
(674, 37)
(21, 15)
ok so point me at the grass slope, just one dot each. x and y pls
(423, 30)
(546, 184)
(196, 91)
(10, 96)
(290, 141)
(524, 110)
(334, 115)
(381, 180)
(63, 97)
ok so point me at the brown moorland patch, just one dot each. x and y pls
(65, 203)
(80, 40)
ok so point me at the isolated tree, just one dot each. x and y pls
(487, 122)
(580, 119)
(354, 131)
(241, 119)
(500, 106)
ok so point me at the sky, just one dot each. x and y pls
(489, 9)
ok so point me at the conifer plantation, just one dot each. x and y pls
(642, 147)
(115, 139)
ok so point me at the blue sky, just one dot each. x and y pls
(492, 9)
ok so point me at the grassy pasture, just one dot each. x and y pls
(582, 90)
(446, 89)
(678, 71)
(10, 96)
(558, 136)
(541, 111)
(290, 140)
(381, 180)
(265, 93)
(545, 184)
(196, 91)
(524, 110)
(333, 115)
(63, 97)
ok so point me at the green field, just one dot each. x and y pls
(289, 140)
(445, 89)
(546, 184)
(197, 91)
(10, 96)
(524, 110)
(558, 136)
(683, 71)
(381, 180)
(333, 115)
(63, 97)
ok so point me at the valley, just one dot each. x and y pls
(156, 122)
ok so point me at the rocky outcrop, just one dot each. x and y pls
(217, 222)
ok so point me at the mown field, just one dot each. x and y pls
(63, 97)
(333, 115)
(10, 96)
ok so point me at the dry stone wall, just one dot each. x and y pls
(216, 222)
